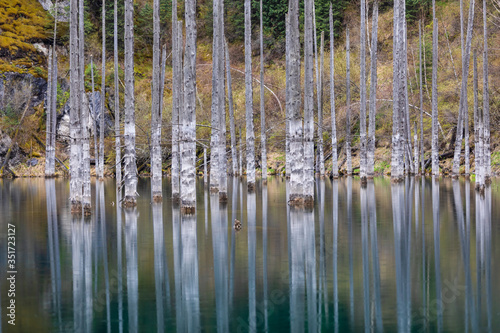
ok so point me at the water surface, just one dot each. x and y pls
(418, 256)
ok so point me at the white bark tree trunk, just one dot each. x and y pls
(75, 143)
(188, 127)
(53, 125)
(232, 128)
(362, 84)
(486, 100)
(156, 173)
(370, 155)
(250, 135)
(463, 106)
(348, 101)
(415, 148)
(320, 105)
(205, 173)
(48, 119)
(94, 118)
(118, 158)
(294, 104)
(421, 97)
(222, 109)
(216, 109)
(262, 111)
(103, 93)
(308, 103)
(287, 106)
(240, 164)
(130, 167)
(335, 169)
(478, 143)
(176, 99)
(435, 147)
(84, 114)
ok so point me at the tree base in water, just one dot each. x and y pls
(188, 210)
(87, 211)
(176, 198)
(264, 181)
(129, 201)
(480, 188)
(214, 190)
(157, 197)
(251, 187)
(364, 181)
(223, 197)
(76, 207)
(396, 180)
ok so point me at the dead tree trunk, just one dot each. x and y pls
(362, 84)
(103, 93)
(216, 109)
(348, 101)
(130, 167)
(156, 173)
(84, 114)
(421, 97)
(294, 104)
(222, 110)
(308, 104)
(118, 158)
(435, 147)
(188, 129)
(486, 100)
(176, 99)
(48, 119)
(250, 136)
(262, 111)
(373, 94)
(320, 105)
(287, 107)
(335, 169)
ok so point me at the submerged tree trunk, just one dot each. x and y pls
(287, 107)
(335, 169)
(362, 84)
(478, 144)
(84, 114)
(75, 143)
(348, 101)
(463, 107)
(188, 129)
(308, 104)
(250, 136)
(48, 119)
(262, 111)
(156, 174)
(435, 148)
(486, 100)
(232, 128)
(176, 99)
(294, 104)
(421, 97)
(103, 93)
(370, 158)
(130, 167)
(94, 118)
(415, 147)
(118, 158)
(216, 109)
(320, 106)
(222, 110)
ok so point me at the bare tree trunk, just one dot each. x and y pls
(362, 84)
(370, 158)
(486, 100)
(320, 105)
(294, 104)
(262, 111)
(205, 173)
(84, 114)
(335, 168)
(130, 167)
(48, 119)
(308, 104)
(478, 144)
(415, 147)
(156, 173)
(435, 148)
(287, 107)
(463, 107)
(188, 129)
(215, 130)
(53, 129)
(94, 118)
(421, 97)
(176, 99)
(250, 136)
(348, 100)
(240, 164)
(103, 93)
(404, 95)
(118, 158)
(232, 128)
(222, 110)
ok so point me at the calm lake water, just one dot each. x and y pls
(419, 256)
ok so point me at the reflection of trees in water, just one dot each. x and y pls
(132, 268)
(189, 274)
(161, 269)
(251, 224)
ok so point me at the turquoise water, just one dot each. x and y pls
(418, 256)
